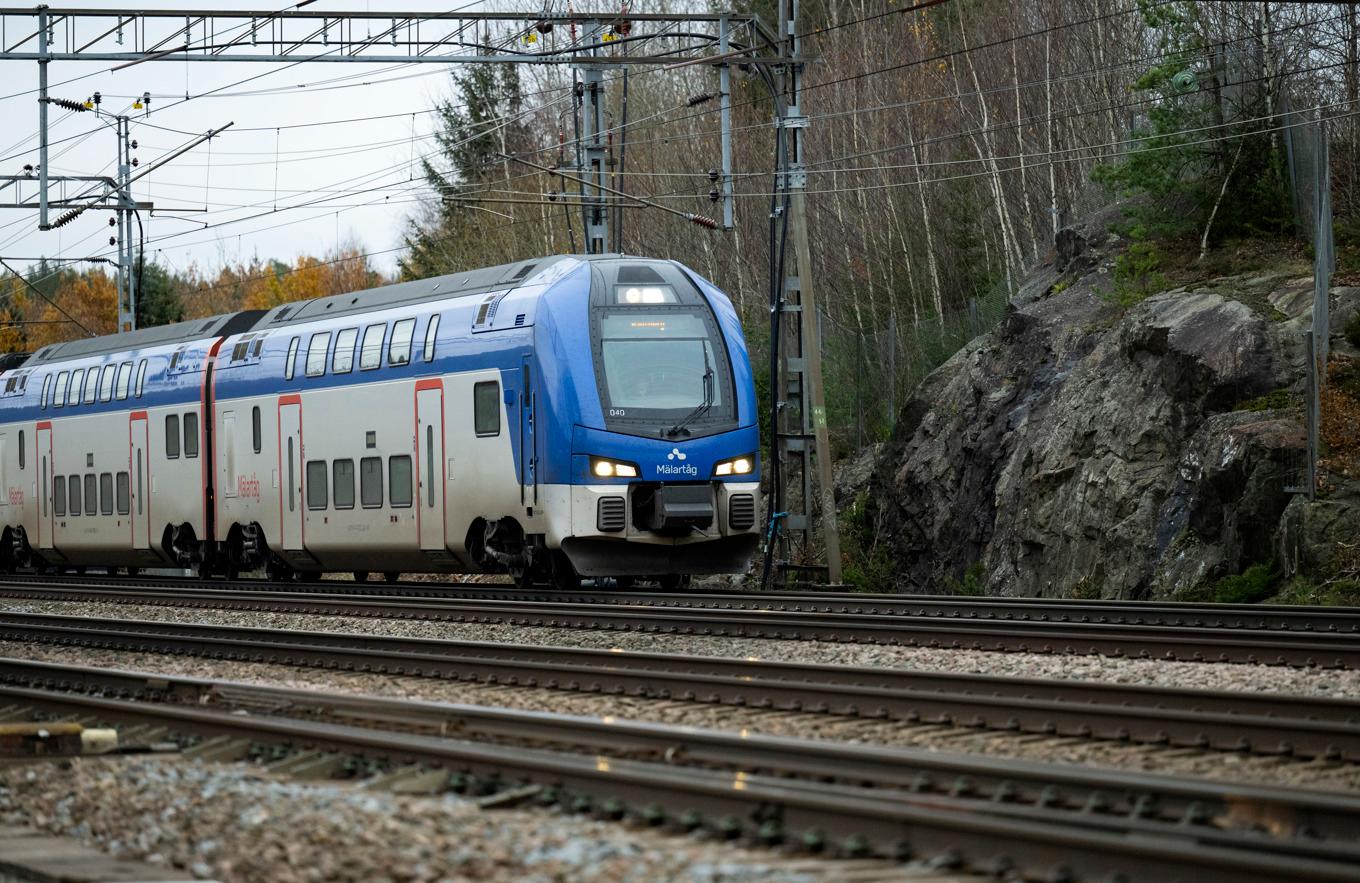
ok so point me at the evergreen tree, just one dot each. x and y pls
(158, 299)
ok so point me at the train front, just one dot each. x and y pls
(652, 385)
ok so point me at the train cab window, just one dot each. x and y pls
(106, 493)
(124, 379)
(59, 494)
(47, 386)
(59, 391)
(172, 436)
(290, 362)
(91, 492)
(106, 383)
(77, 383)
(191, 434)
(255, 436)
(141, 377)
(370, 354)
(370, 482)
(316, 353)
(316, 484)
(343, 481)
(91, 386)
(343, 360)
(486, 408)
(431, 334)
(74, 495)
(124, 494)
(399, 351)
(399, 481)
(21, 450)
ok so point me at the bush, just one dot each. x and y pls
(867, 565)
(1136, 272)
(974, 580)
(1352, 330)
(1256, 583)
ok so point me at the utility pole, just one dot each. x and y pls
(127, 279)
(44, 57)
(596, 152)
(802, 439)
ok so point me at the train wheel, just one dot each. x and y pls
(564, 576)
(624, 582)
(673, 582)
(361, 576)
(391, 576)
(134, 571)
(277, 571)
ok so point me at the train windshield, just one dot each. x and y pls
(663, 370)
(659, 361)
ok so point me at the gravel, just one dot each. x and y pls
(236, 823)
(1195, 675)
(1179, 762)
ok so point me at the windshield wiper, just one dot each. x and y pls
(703, 408)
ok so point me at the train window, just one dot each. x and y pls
(399, 481)
(124, 494)
(106, 383)
(47, 386)
(91, 499)
(21, 449)
(74, 495)
(59, 391)
(292, 485)
(77, 383)
(370, 354)
(370, 482)
(59, 494)
(431, 334)
(430, 475)
(239, 351)
(124, 379)
(106, 493)
(172, 436)
(290, 362)
(343, 360)
(255, 427)
(399, 351)
(343, 481)
(316, 353)
(91, 386)
(259, 345)
(486, 408)
(141, 377)
(316, 484)
(191, 434)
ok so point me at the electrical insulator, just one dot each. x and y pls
(713, 175)
(623, 28)
(696, 100)
(28, 168)
(97, 98)
(68, 217)
(544, 27)
(552, 196)
(68, 104)
(112, 222)
(134, 143)
(707, 223)
(113, 240)
(135, 163)
(714, 195)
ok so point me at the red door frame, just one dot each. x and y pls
(284, 401)
(434, 383)
(145, 491)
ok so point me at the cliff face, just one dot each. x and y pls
(1084, 448)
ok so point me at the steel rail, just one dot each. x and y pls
(1224, 720)
(1274, 617)
(1329, 650)
(1026, 841)
(1114, 793)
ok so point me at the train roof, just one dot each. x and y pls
(452, 285)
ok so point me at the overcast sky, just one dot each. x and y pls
(252, 168)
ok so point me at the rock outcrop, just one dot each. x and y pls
(1084, 448)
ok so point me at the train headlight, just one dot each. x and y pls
(736, 466)
(644, 294)
(603, 467)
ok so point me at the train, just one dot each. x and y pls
(553, 419)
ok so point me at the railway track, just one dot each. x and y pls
(1028, 821)
(1232, 721)
(1188, 643)
(1269, 617)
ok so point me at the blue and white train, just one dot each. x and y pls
(552, 419)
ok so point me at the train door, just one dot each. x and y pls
(46, 469)
(139, 464)
(429, 462)
(290, 472)
(528, 447)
